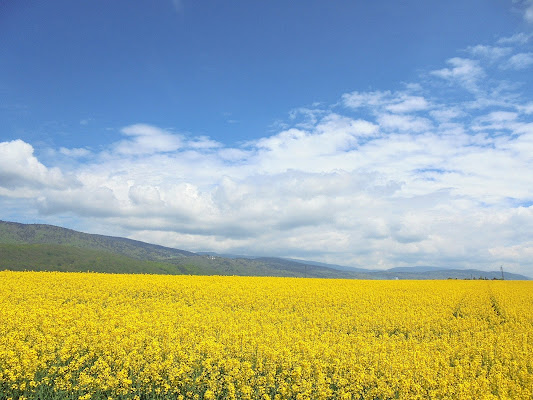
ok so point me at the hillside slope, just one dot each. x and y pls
(58, 257)
(16, 233)
(48, 247)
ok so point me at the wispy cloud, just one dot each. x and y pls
(76, 152)
(518, 38)
(520, 61)
(397, 102)
(528, 13)
(147, 139)
(178, 5)
(492, 53)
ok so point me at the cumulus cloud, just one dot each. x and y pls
(407, 123)
(384, 178)
(522, 252)
(87, 202)
(20, 168)
(295, 148)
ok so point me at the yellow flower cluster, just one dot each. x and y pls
(98, 336)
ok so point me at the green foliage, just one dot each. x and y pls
(57, 257)
(15, 233)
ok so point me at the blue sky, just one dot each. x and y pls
(372, 134)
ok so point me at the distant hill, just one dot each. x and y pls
(418, 268)
(308, 268)
(58, 257)
(16, 233)
(48, 247)
(334, 266)
(52, 248)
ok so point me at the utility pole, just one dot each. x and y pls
(501, 269)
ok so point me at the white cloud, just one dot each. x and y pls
(203, 142)
(147, 139)
(99, 202)
(19, 168)
(310, 116)
(397, 102)
(492, 53)
(76, 152)
(528, 13)
(500, 116)
(148, 196)
(390, 200)
(406, 123)
(496, 120)
(446, 114)
(425, 175)
(295, 148)
(464, 71)
(364, 99)
(519, 61)
(233, 155)
(408, 104)
(513, 253)
(519, 38)
(526, 108)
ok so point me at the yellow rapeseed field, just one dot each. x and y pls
(98, 336)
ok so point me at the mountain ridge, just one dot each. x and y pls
(46, 244)
(52, 234)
